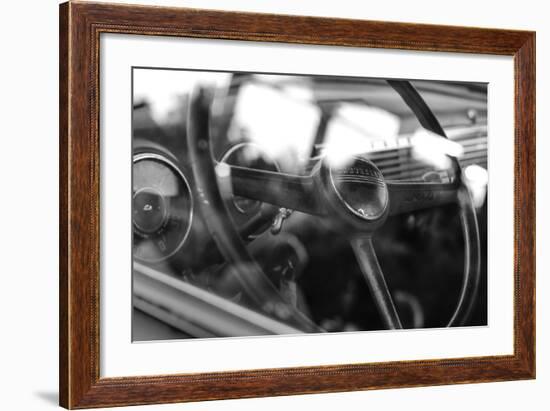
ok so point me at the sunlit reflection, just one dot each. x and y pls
(342, 144)
(432, 149)
(476, 178)
(282, 127)
(358, 129)
(223, 170)
(169, 89)
(374, 123)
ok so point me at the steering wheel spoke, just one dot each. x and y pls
(368, 262)
(283, 190)
(412, 196)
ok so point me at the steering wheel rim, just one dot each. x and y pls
(255, 282)
(468, 217)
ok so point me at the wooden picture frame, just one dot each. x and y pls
(81, 24)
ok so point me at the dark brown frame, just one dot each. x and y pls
(80, 27)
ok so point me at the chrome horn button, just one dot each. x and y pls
(360, 187)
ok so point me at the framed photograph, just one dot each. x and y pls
(259, 205)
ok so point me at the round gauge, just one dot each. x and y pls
(162, 208)
(360, 186)
(247, 155)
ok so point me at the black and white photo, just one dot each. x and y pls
(281, 204)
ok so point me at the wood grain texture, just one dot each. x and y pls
(524, 203)
(63, 204)
(80, 27)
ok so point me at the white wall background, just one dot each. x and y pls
(28, 204)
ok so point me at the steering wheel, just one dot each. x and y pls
(355, 195)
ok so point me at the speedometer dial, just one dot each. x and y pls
(162, 208)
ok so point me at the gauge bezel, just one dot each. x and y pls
(378, 180)
(171, 164)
